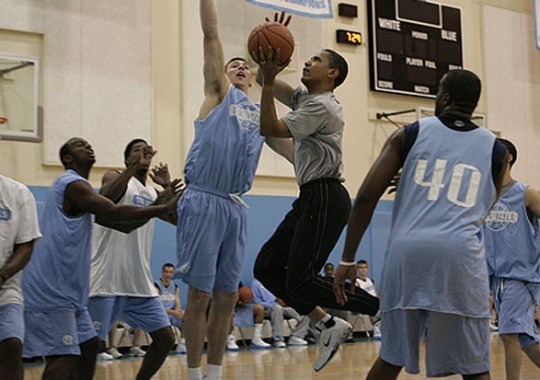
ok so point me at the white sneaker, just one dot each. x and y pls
(259, 344)
(102, 356)
(181, 348)
(329, 341)
(376, 333)
(279, 344)
(136, 351)
(296, 341)
(231, 343)
(114, 353)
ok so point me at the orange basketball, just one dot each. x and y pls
(245, 295)
(271, 34)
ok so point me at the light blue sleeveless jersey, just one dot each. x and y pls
(511, 238)
(57, 277)
(227, 146)
(436, 256)
(167, 295)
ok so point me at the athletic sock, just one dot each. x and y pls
(194, 373)
(213, 372)
(325, 323)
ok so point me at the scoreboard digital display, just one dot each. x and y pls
(413, 44)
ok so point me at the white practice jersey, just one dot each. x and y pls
(121, 262)
(18, 225)
(367, 285)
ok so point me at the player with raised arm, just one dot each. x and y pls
(290, 261)
(220, 167)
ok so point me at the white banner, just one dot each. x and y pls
(309, 8)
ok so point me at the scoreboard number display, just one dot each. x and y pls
(413, 44)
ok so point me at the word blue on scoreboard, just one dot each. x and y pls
(413, 44)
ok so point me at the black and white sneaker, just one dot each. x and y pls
(329, 341)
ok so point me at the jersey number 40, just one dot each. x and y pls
(456, 182)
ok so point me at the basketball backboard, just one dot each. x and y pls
(20, 115)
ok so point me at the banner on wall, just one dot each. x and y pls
(309, 8)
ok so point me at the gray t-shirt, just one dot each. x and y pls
(316, 125)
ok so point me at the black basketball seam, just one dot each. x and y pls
(280, 36)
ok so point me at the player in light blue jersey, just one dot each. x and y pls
(56, 282)
(435, 276)
(211, 230)
(511, 236)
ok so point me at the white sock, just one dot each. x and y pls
(213, 372)
(258, 331)
(321, 324)
(194, 373)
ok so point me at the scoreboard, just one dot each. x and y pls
(413, 44)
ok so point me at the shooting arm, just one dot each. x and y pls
(282, 146)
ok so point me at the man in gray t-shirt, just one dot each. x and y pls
(290, 260)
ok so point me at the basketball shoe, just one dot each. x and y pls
(329, 341)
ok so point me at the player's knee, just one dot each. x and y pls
(258, 310)
(164, 338)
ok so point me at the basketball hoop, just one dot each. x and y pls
(3, 120)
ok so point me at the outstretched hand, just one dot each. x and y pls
(269, 63)
(343, 273)
(142, 158)
(160, 175)
(280, 17)
(171, 194)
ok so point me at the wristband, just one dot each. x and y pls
(347, 263)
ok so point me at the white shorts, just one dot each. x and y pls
(454, 344)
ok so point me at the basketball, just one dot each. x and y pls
(245, 295)
(271, 34)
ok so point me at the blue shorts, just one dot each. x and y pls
(60, 333)
(514, 304)
(11, 322)
(210, 241)
(144, 312)
(454, 344)
(243, 316)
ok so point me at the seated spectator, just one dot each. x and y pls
(139, 339)
(112, 352)
(276, 310)
(169, 294)
(366, 283)
(329, 271)
(248, 315)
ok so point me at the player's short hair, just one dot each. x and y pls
(167, 265)
(361, 262)
(66, 149)
(232, 60)
(338, 62)
(129, 146)
(511, 149)
(463, 86)
(327, 265)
